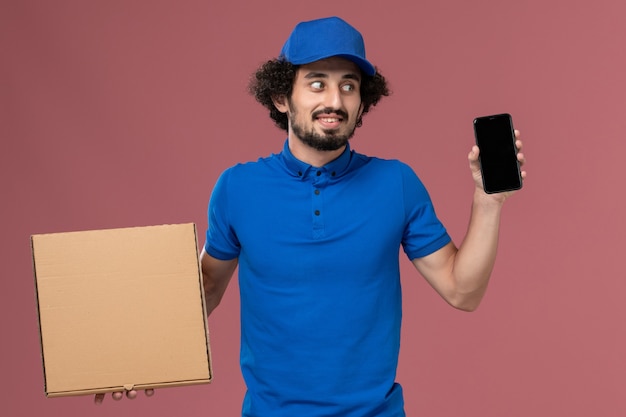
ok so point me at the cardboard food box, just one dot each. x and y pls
(121, 309)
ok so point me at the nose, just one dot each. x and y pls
(333, 98)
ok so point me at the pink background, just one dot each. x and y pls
(123, 113)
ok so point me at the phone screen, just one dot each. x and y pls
(495, 138)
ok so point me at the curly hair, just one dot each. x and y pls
(276, 77)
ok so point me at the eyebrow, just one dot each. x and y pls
(348, 76)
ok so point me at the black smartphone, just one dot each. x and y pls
(495, 138)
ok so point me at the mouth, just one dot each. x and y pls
(329, 121)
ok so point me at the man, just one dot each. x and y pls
(315, 231)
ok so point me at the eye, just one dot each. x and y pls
(348, 87)
(317, 85)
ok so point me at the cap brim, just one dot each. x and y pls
(363, 64)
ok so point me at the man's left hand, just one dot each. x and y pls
(477, 174)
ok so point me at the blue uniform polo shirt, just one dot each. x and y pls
(319, 278)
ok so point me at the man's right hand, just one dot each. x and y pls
(118, 395)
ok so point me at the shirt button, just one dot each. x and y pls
(332, 174)
(317, 192)
(319, 173)
(317, 212)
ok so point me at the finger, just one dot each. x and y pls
(149, 392)
(98, 399)
(521, 158)
(473, 155)
(117, 395)
(131, 395)
(517, 134)
(519, 145)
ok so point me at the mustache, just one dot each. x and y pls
(329, 110)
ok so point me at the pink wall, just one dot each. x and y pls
(123, 113)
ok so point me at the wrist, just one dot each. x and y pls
(488, 201)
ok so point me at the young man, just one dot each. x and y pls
(315, 231)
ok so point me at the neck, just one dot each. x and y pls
(312, 156)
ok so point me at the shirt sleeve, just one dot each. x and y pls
(221, 240)
(424, 233)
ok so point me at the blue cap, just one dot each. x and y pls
(324, 38)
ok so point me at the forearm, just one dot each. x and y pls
(213, 293)
(216, 275)
(476, 256)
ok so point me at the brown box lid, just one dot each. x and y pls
(121, 309)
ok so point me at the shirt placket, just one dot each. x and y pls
(319, 183)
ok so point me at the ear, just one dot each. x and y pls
(280, 102)
(359, 119)
(361, 107)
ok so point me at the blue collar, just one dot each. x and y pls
(335, 168)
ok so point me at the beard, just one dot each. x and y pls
(330, 140)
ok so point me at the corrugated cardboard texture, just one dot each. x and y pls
(121, 308)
